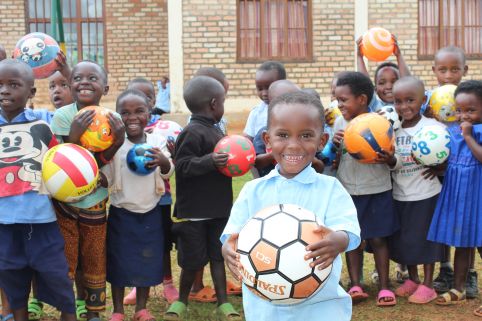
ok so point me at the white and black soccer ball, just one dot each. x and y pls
(391, 115)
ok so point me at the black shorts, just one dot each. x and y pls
(198, 242)
(169, 238)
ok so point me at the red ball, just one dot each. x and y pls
(241, 154)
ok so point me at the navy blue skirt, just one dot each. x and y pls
(135, 248)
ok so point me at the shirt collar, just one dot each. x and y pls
(26, 115)
(306, 176)
(202, 119)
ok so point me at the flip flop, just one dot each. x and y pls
(80, 310)
(357, 294)
(35, 309)
(232, 288)
(205, 295)
(143, 315)
(478, 311)
(386, 294)
(423, 295)
(117, 317)
(227, 312)
(8, 317)
(175, 311)
(449, 300)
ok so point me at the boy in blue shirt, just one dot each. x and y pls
(29, 234)
(295, 134)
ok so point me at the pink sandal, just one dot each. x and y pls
(117, 317)
(406, 289)
(143, 315)
(423, 295)
(357, 294)
(386, 294)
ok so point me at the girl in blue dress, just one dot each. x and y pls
(457, 220)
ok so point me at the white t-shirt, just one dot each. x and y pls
(257, 119)
(408, 182)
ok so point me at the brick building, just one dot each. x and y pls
(152, 38)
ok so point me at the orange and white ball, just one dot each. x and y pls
(377, 44)
(69, 172)
(98, 136)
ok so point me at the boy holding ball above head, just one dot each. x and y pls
(295, 134)
(204, 195)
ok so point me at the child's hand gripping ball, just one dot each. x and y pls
(431, 145)
(39, 51)
(69, 172)
(241, 155)
(377, 44)
(137, 157)
(442, 102)
(98, 136)
(272, 250)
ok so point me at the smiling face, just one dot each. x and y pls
(409, 97)
(16, 88)
(59, 90)
(386, 77)
(88, 84)
(135, 115)
(468, 107)
(264, 78)
(350, 105)
(294, 136)
(449, 68)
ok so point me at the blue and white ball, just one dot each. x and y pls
(137, 157)
(431, 145)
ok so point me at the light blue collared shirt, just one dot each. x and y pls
(257, 119)
(333, 206)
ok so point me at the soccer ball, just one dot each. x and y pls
(272, 248)
(442, 102)
(241, 154)
(137, 157)
(167, 128)
(69, 172)
(377, 44)
(39, 51)
(98, 136)
(431, 145)
(368, 134)
(391, 115)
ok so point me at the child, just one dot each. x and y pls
(415, 194)
(457, 220)
(134, 226)
(369, 186)
(204, 195)
(169, 290)
(30, 237)
(83, 223)
(163, 99)
(295, 127)
(59, 90)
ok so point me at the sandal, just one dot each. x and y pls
(422, 295)
(386, 294)
(117, 317)
(80, 310)
(478, 311)
(453, 296)
(35, 310)
(143, 315)
(232, 288)
(406, 289)
(357, 294)
(175, 311)
(205, 295)
(227, 312)
(8, 317)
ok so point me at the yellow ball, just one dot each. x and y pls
(332, 113)
(98, 136)
(442, 102)
(69, 172)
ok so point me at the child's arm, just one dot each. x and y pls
(79, 125)
(263, 160)
(360, 63)
(318, 165)
(470, 140)
(159, 159)
(63, 67)
(402, 66)
(387, 157)
(231, 256)
(325, 251)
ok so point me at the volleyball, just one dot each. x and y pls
(137, 157)
(39, 51)
(98, 136)
(272, 248)
(167, 128)
(241, 154)
(69, 172)
(368, 134)
(391, 115)
(442, 102)
(431, 145)
(377, 44)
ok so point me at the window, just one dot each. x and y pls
(274, 29)
(450, 22)
(83, 22)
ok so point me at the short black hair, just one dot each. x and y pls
(358, 83)
(312, 91)
(297, 98)
(451, 49)
(274, 65)
(103, 72)
(470, 87)
(139, 80)
(212, 72)
(130, 92)
(383, 65)
(25, 71)
(199, 91)
(413, 80)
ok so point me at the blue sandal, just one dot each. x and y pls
(8, 317)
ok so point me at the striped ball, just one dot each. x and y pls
(69, 172)
(377, 44)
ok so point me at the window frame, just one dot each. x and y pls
(309, 29)
(440, 27)
(77, 20)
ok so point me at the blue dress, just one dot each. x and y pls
(457, 220)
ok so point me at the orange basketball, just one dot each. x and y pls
(377, 44)
(98, 136)
(368, 134)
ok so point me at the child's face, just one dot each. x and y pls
(15, 91)
(59, 90)
(350, 105)
(468, 107)
(264, 78)
(218, 107)
(294, 135)
(135, 115)
(88, 84)
(408, 99)
(386, 77)
(449, 68)
(148, 90)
